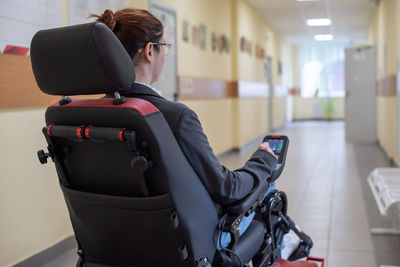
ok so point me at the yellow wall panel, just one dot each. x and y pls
(252, 119)
(390, 36)
(142, 4)
(313, 108)
(217, 121)
(279, 112)
(254, 29)
(386, 124)
(384, 32)
(34, 215)
(216, 16)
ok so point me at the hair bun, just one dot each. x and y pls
(108, 18)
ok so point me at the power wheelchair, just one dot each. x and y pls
(132, 196)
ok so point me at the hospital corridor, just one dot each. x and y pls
(201, 133)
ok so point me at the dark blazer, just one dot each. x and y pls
(224, 186)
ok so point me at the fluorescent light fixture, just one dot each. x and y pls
(323, 37)
(307, 0)
(319, 22)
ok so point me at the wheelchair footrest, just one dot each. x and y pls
(285, 263)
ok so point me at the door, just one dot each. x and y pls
(360, 82)
(168, 81)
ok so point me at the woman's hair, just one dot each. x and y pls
(134, 28)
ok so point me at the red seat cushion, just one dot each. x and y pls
(285, 263)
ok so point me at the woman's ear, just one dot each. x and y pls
(148, 52)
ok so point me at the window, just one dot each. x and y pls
(311, 79)
(322, 70)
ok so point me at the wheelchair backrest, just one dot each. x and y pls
(133, 198)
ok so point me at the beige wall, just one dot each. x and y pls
(313, 108)
(384, 32)
(33, 212)
(390, 36)
(279, 115)
(252, 119)
(217, 118)
(216, 15)
(143, 4)
(287, 58)
(252, 27)
(232, 123)
(386, 123)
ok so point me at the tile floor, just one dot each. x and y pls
(326, 192)
(325, 180)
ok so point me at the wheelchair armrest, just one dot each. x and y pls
(248, 204)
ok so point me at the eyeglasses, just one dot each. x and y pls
(166, 47)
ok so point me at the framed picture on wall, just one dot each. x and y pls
(203, 36)
(195, 35)
(227, 46)
(185, 31)
(257, 51)
(243, 44)
(221, 43)
(214, 41)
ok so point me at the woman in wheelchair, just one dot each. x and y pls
(142, 36)
(164, 190)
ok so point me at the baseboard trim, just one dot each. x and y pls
(49, 254)
(392, 162)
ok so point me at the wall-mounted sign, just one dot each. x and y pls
(213, 41)
(247, 47)
(203, 36)
(195, 35)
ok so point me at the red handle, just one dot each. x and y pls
(322, 260)
(276, 136)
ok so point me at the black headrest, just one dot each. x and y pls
(80, 60)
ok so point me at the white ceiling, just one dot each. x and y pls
(350, 18)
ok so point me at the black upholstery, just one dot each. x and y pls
(80, 60)
(104, 168)
(250, 241)
(116, 223)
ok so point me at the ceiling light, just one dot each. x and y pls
(323, 37)
(319, 22)
(307, 0)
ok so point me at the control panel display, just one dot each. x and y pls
(279, 145)
(276, 145)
